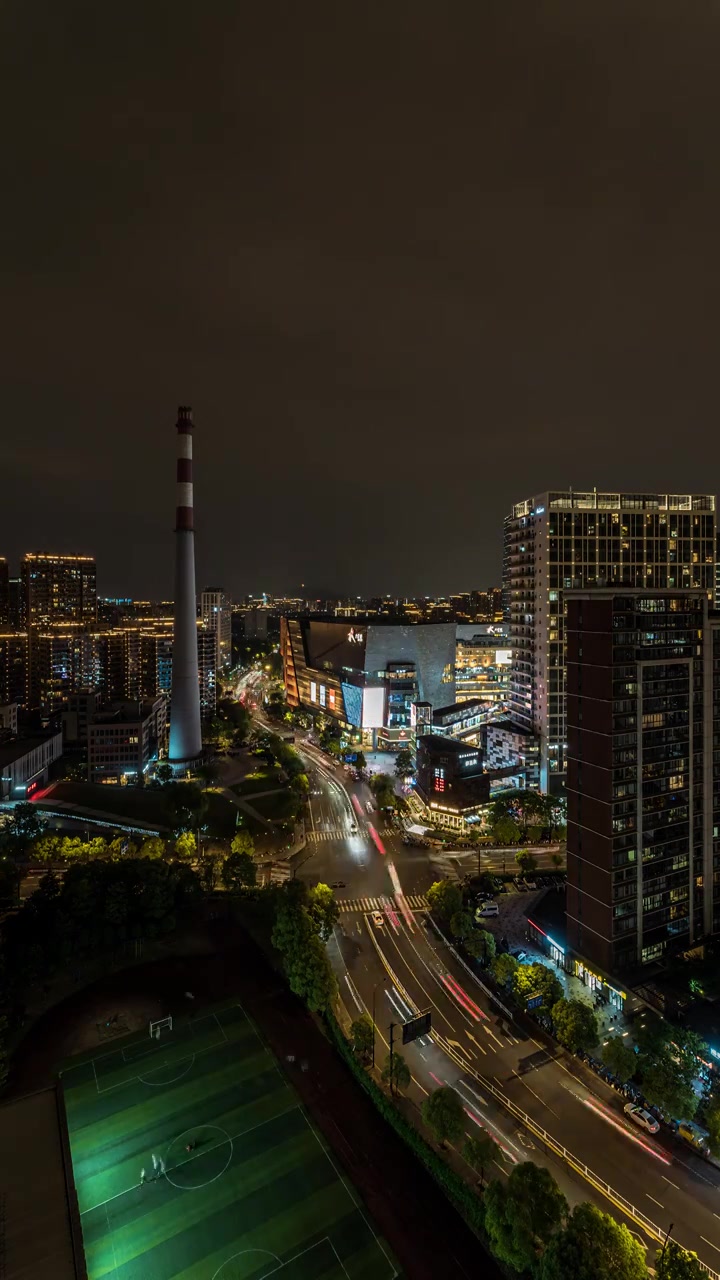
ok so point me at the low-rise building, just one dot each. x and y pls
(125, 739)
(451, 780)
(25, 764)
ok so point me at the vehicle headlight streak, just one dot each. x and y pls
(609, 1118)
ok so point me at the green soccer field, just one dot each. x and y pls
(256, 1195)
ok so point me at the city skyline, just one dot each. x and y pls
(450, 273)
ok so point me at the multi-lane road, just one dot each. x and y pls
(501, 1068)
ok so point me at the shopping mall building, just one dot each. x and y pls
(367, 674)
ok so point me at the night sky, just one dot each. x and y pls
(409, 263)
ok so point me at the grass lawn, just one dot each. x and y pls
(280, 807)
(261, 779)
(257, 1195)
(124, 802)
(141, 803)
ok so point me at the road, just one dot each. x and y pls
(474, 1046)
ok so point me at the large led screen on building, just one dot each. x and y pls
(334, 645)
(352, 697)
(373, 713)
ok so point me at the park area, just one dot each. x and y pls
(193, 1158)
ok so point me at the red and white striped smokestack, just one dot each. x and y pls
(185, 727)
(184, 509)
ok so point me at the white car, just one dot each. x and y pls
(370, 806)
(378, 919)
(489, 909)
(641, 1117)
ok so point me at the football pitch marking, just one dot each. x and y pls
(358, 1207)
(197, 1186)
(134, 1053)
(280, 1264)
(234, 1138)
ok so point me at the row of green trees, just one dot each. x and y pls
(520, 816)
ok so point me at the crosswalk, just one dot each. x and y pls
(342, 833)
(447, 867)
(416, 902)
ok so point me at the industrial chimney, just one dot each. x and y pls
(185, 735)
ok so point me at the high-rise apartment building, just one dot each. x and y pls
(559, 541)
(4, 593)
(13, 667)
(215, 613)
(643, 696)
(58, 589)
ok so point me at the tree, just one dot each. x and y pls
(504, 967)
(620, 1059)
(164, 773)
(479, 1150)
(461, 925)
(404, 767)
(675, 1263)
(382, 787)
(323, 910)
(575, 1025)
(523, 1214)
(239, 872)
(361, 1037)
(526, 862)
(666, 1086)
(186, 845)
(360, 761)
(46, 848)
(557, 860)
(304, 956)
(152, 847)
(593, 1246)
(444, 899)
(481, 945)
(242, 842)
(185, 806)
(399, 1077)
(209, 772)
(25, 824)
(444, 1114)
(536, 980)
(505, 831)
(210, 868)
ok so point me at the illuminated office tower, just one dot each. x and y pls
(558, 541)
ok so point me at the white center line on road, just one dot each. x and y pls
(672, 1184)
(657, 1202)
(712, 1246)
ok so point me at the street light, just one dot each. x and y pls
(662, 1251)
(377, 984)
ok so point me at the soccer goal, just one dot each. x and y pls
(156, 1028)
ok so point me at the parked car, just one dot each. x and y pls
(519, 954)
(489, 909)
(693, 1134)
(338, 884)
(641, 1117)
(378, 919)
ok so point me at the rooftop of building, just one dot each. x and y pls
(437, 744)
(127, 712)
(470, 707)
(592, 500)
(19, 747)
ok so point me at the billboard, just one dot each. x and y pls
(373, 708)
(416, 1027)
(335, 645)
